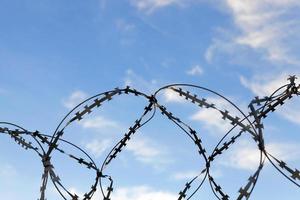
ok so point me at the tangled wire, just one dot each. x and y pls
(250, 123)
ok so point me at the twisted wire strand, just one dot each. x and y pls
(251, 123)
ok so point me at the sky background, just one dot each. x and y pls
(54, 54)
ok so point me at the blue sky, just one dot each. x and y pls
(54, 54)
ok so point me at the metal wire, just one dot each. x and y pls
(251, 124)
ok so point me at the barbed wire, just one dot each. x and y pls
(250, 123)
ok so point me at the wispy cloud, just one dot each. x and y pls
(144, 149)
(222, 45)
(271, 30)
(124, 26)
(98, 146)
(246, 155)
(138, 82)
(170, 95)
(264, 35)
(99, 122)
(149, 151)
(142, 192)
(265, 85)
(75, 98)
(126, 30)
(291, 112)
(263, 26)
(7, 171)
(187, 175)
(195, 71)
(150, 6)
(212, 119)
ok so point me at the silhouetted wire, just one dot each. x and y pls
(250, 123)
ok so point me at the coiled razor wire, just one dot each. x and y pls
(251, 123)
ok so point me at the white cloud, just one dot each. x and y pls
(133, 193)
(267, 25)
(170, 95)
(264, 85)
(138, 82)
(284, 151)
(151, 5)
(265, 29)
(124, 26)
(73, 190)
(74, 99)
(149, 152)
(213, 121)
(187, 175)
(125, 29)
(246, 155)
(220, 46)
(142, 193)
(195, 71)
(97, 146)
(212, 118)
(168, 63)
(7, 171)
(290, 111)
(143, 149)
(98, 122)
(79, 193)
(270, 31)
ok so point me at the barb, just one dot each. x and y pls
(252, 123)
